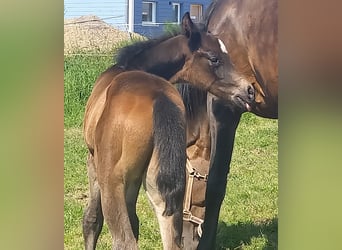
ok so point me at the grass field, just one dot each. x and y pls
(249, 214)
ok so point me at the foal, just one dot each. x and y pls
(134, 128)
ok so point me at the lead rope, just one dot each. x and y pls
(187, 215)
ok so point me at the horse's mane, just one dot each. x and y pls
(127, 53)
(193, 98)
(208, 12)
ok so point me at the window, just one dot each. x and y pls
(196, 12)
(175, 13)
(148, 12)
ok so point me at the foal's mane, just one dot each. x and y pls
(130, 52)
(194, 98)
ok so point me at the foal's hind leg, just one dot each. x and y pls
(93, 217)
(115, 211)
(131, 201)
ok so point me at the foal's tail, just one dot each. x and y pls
(170, 142)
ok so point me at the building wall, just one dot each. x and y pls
(163, 15)
(115, 13)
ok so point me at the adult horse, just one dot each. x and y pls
(248, 30)
(134, 128)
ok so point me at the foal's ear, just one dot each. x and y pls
(190, 30)
(188, 26)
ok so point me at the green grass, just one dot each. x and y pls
(80, 73)
(248, 218)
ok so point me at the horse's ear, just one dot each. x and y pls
(187, 25)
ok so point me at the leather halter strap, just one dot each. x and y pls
(187, 215)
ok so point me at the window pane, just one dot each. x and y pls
(175, 9)
(147, 12)
(196, 12)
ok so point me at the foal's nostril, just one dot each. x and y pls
(251, 93)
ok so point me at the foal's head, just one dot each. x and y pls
(205, 64)
(194, 56)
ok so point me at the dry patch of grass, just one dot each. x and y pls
(91, 34)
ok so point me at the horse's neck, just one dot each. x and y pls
(164, 59)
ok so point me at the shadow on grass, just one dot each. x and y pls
(235, 236)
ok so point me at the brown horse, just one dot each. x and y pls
(198, 152)
(248, 30)
(134, 128)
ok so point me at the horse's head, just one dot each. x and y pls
(205, 65)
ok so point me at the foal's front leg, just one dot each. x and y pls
(223, 124)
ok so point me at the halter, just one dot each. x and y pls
(187, 215)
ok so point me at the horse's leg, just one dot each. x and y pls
(223, 124)
(131, 201)
(169, 231)
(93, 217)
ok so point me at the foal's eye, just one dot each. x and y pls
(214, 61)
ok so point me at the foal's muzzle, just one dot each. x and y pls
(250, 93)
(240, 95)
(245, 97)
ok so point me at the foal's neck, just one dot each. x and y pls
(164, 59)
